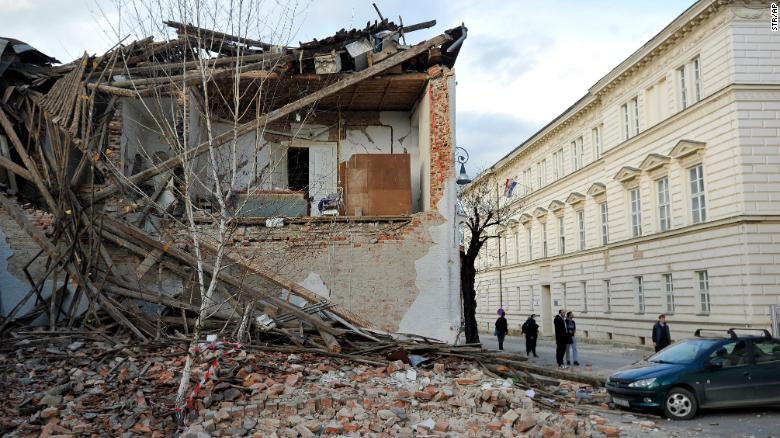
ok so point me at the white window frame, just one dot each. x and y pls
(639, 289)
(635, 201)
(664, 204)
(596, 138)
(607, 296)
(635, 105)
(626, 122)
(531, 293)
(556, 175)
(683, 87)
(527, 181)
(561, 236)
(539, 175)
(544, 240)
(703, 278)
(604, 208)
(669, 293)
(698, 197)
(559, 163)
(696, 65)
(565, 296)
(529, 238)
(517, 245)
(581, 228)
(584, 285)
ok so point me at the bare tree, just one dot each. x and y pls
(486, 210)
(195, 103)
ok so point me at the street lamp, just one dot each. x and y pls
(462, 156)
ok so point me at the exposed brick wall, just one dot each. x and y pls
(368, 268)
(442, 149)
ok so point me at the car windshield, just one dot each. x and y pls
(684, 352)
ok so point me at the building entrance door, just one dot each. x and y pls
(547, 311)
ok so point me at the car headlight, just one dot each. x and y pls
(644, 383)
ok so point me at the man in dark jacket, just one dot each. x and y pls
(661, 336)
(501, 328)
(531, 331)
(561, 338)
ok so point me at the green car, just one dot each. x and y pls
(702, 372)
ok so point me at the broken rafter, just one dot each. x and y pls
(189, 29)
(261, 121)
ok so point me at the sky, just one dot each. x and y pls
(524, 61)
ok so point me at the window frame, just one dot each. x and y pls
(664, 204)
(697, 195)
(683, 87)
(530, 243)
(596, 139)
(639, 293)
(561, 236)
(704, 292)
(668, 281)
(697, 83)
(626, 123)
(581, 228)
(544, 240)
(604, 209)
(635, 210)
(607, 296)
(635, 103)
(584, 285)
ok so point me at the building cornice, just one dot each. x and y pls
(686, 22)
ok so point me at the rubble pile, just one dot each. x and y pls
(96, 388)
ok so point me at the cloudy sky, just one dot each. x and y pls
(524, 62)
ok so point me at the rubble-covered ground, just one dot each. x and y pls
(94, 388)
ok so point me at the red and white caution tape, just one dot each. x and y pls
(224, 348)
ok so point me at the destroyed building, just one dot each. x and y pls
(335, 161)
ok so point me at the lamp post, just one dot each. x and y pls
(462, 157)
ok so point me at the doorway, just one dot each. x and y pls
(298, 169)
(547, 311)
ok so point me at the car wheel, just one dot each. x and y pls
(680, 404)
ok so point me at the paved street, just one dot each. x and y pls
(603, 359)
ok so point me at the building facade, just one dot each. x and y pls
(657, 192)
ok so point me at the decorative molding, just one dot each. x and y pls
(525, 218)
(556, 207)
(688, 152)
(683, 148)
(540, 213)
(655, 165)
(598, 191)
(575, 199)
(627, 175)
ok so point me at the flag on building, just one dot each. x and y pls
(509, 187)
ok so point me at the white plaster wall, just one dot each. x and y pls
(436, 311)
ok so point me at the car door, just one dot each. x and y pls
(765, 375)
(726, 385)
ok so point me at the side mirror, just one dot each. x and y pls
(713, 364)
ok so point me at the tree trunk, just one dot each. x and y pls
(467, 274)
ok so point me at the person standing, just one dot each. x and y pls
(661, 336)
(501, 328)
(571, 346)
(531, 331)
(561, 338)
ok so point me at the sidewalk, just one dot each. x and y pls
(599, 359)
